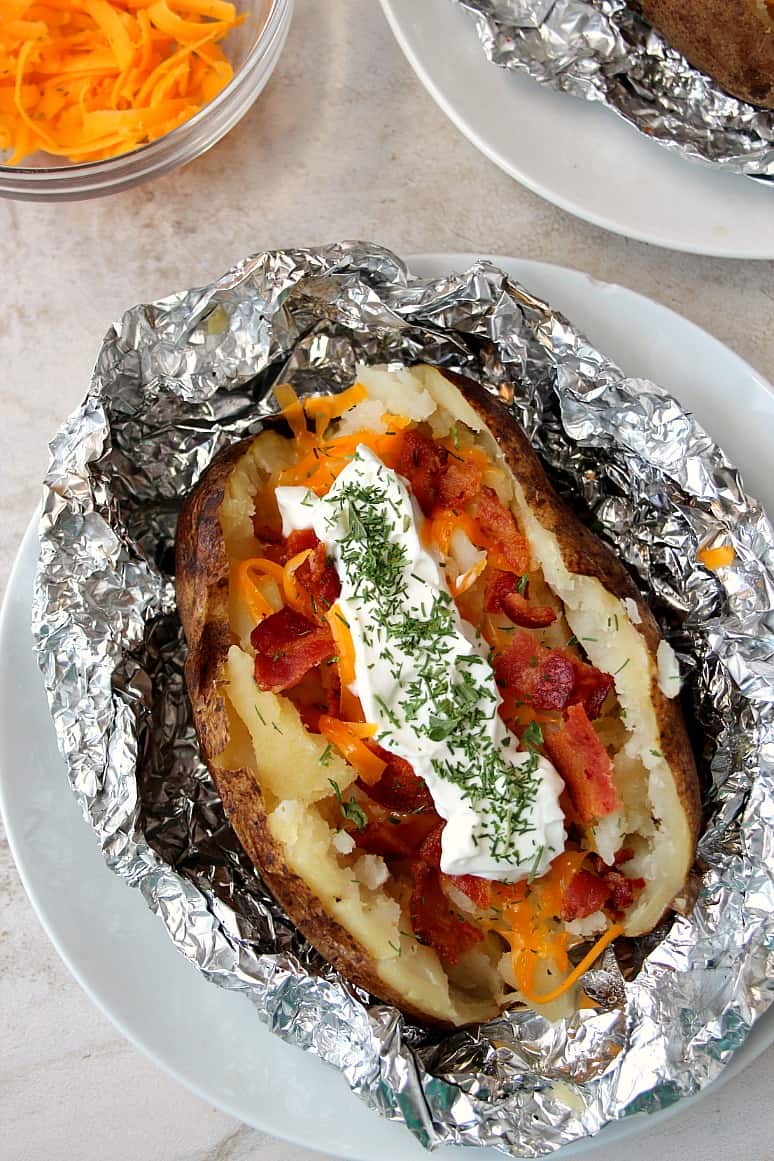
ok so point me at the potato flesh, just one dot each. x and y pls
(301, 786)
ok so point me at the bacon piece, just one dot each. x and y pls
(543, 677)
(585, 894)
(285, 549)
(550, 679)
(591, 687)
(479, 891)
(623, 891)
(430, 851)
(422, 462)
(287, 646)
(518, 609)
(318, 579)
(502, 596)
(498, 585)
(399, 788)
(435, 920)
(394, 835)
(584, 765)
(458, 484)
(499, 527)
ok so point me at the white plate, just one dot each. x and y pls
(120, 954)
(578, 154)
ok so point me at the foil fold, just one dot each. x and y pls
(177, 380)
(605, 51)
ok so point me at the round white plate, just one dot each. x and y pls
(120, 953)
(579, 154)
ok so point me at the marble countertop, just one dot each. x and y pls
(344, 142)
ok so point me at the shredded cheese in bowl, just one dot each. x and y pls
(98, 95)
(89, 79)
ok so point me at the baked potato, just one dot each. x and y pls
(461, 800)
(730, 40)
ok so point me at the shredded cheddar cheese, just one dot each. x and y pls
(289, 584)
(345, 649)
(713, 558)
(91, 79)
(548, 997)
(348, 737)
(248, 587)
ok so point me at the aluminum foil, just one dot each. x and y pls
(176, 381)
(605, 50)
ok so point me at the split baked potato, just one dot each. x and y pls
(343, 831)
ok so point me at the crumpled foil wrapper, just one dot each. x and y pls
(605, 50)
(178, 380)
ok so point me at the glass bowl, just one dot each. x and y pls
(253, 49)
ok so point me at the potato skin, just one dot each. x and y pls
(201, 581)
(730, 40)
(202, 571)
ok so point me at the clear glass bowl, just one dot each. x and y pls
(253, 49)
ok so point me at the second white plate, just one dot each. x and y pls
(211, 1039)
(578, 154)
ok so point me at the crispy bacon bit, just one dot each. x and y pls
(430, 851)
(421, 461)
(287, 646)
(502, 596)
(479, 891)
(584, 765)
(498, 585)
(394, 835)
(623, 891)
(585, 894)
(550, 679)
(399, 788)
(435, 920)
(287, 548)
(458, 484)
(499, 527)
(318, 579)
(591, 687)
(543, 677)
(528, 616)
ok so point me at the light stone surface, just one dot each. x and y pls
(344, 142)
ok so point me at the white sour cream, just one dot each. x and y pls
(423, 678)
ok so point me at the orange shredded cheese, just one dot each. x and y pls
(467, 579)
(547, 997)
(347, 737)
(292, 409)
(713, 558)
(345, 649)
(247, 586)
(289, 585)
(323, 408)
(91, 79)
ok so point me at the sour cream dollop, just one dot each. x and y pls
(423, 677)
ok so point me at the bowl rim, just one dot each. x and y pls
(151, 150)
